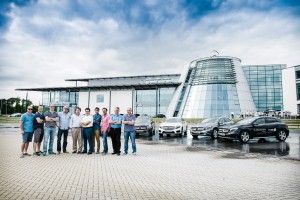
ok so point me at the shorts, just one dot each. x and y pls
(27, 137)
(38, 135)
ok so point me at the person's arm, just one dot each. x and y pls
(119, 121)
(39, 120)
(21, 125)
(71, 122)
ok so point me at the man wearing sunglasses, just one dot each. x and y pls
(26, 126)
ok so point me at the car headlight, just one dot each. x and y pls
(208, 127)
(178, 127)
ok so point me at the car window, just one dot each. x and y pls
(271, 120)
(227, 119)
(259, 121)
(221, 121)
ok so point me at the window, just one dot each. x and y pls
(271, 120)
(259, 121)
(100, 98)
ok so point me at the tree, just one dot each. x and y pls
(14, 105)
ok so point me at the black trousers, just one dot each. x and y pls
(115, 134)
(65, 142)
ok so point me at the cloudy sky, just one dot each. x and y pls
(43, 42)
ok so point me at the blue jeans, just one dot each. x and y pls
(131, 135)
(49, 134)
(87, 138)
(104, 139)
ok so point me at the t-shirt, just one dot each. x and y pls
(27, 120)
(51, 115)
(129, 127)
(118, 118)
(35, 123)
(97, 121)
(85, 119)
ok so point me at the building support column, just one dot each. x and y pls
(89, 96)
(109, 106)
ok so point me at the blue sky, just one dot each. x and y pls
(77, 38)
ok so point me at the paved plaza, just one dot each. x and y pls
(159, 171)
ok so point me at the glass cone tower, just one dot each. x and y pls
(212, 87)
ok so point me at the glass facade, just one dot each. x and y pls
(60, 98)
(218, 88)
(153, 102)
(212, 100)
(265, 83)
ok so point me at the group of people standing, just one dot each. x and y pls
(86, 130)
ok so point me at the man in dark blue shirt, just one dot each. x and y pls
(96, 126)
(38, 127)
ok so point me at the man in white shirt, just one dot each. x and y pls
(75, 125)
(87, 129)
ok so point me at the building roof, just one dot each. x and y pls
(122, 77)
(104, 87)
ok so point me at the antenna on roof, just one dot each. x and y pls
(214, 53)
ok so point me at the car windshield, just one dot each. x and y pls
(210, 120)
(142, 120)
(246, 121)
(172, 120)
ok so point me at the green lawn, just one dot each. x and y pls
(9, 120)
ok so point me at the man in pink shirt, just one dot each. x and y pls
(105, 127)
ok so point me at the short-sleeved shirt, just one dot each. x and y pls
(96, 121)
(128, 127)
(64, 120)
(27, 121)
(35, 123)
(51, 115)
(75, 121)
(118, 118)
(105, 123)
(87, 118)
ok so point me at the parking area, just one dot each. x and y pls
(164, 168)
(263, 147)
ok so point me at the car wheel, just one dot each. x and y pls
(214, 134)
(161, 135)
(137, 134)
(168, 135)
(195, 136)
(282, 135)
(244, 137)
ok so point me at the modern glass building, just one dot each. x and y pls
(209, 87)
(265, 83)
(215, 86)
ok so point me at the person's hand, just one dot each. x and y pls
(22, 132)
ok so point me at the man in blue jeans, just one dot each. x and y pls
(51, 118)
(26, 126)
(129, 131)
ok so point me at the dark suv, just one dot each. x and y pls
(249, 128)
(209, 127)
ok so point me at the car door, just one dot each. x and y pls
(259, 127)
(228, 121)
(271, 124)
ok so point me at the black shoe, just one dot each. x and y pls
(73, 151)
(118, 154)
(83, 152)
(113, 153)
(57, 152)
(79, 152)
(66, 152)
(89, 153)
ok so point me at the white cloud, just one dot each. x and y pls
(42, 47)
